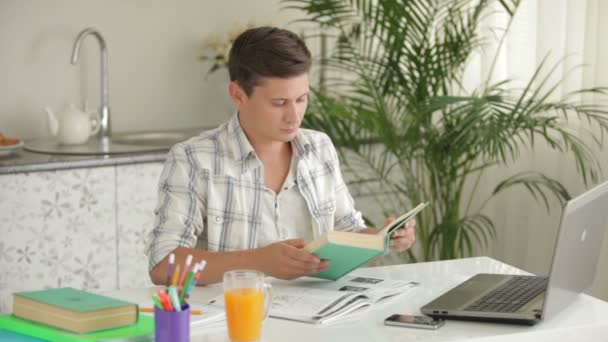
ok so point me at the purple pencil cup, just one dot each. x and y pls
(172, 326)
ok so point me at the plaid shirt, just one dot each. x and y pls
(210, 192)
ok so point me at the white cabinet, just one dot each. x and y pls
(136, 191)
(83, 228)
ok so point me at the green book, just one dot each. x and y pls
(74, 310)
(143, 330)
(348, 250)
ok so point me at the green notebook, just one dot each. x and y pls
(73, 300)
(74, 310)
(143, 330)
(348, 250)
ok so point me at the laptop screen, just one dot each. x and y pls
(577, 251)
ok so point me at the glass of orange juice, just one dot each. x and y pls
(247, 296)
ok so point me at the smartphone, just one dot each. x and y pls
(412, 321)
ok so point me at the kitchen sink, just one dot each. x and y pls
(118, 143)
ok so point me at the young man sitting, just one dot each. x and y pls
(251, 193)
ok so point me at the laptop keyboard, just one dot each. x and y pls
(510, 296)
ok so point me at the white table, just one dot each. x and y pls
(584, 320)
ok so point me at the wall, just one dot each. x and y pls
(156, 80)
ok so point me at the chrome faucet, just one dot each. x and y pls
(104, 110)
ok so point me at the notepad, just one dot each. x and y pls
(211, 316)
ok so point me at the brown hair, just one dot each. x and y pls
(266, 52)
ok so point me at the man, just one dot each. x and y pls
(251, 193)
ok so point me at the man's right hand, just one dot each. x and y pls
(288, 260)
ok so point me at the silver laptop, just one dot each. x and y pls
(529, 299)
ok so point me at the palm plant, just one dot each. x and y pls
(396, 108)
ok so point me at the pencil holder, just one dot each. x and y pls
(172, 326)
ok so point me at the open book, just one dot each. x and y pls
(348, 250)
(317, 301)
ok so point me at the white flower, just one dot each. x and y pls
(212, 41)
(217, 48)
(235, 31)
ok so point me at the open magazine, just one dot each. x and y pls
(319, 301)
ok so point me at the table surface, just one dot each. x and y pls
(584, 320)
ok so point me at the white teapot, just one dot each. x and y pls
(73, 126)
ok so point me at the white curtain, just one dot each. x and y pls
(567, 30)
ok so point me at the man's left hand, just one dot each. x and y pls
(403, 238)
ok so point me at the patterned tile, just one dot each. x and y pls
(58, 229)
(136, 199)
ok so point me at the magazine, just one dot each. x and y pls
(319, 301)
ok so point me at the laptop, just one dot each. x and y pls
(529, 299)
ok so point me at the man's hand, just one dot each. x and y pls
(403, 238)
(287, 260)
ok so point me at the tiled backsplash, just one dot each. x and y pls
(83, 228)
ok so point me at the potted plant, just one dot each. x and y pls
(394, 106)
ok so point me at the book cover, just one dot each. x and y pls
(74, 310)
(343, 259)
(143, 330)
(73, 300)
(347, 251)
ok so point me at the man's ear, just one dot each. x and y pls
(237, 94)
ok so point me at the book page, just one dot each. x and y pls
(211, 315)
(314, 300)
(320, 301)
(401, 220)
(309, 304)
(372, 287)
(302, 303)
(355, 304)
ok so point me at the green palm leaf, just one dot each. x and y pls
(408, 131)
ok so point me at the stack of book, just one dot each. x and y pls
(67, 314)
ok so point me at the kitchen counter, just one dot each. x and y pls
(25, 161)
(148, 147)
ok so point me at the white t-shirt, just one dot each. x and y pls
(286, 215)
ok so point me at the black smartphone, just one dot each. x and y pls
(413, 321)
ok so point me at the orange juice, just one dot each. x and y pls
(244, 312)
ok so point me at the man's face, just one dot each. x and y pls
(274, 110)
